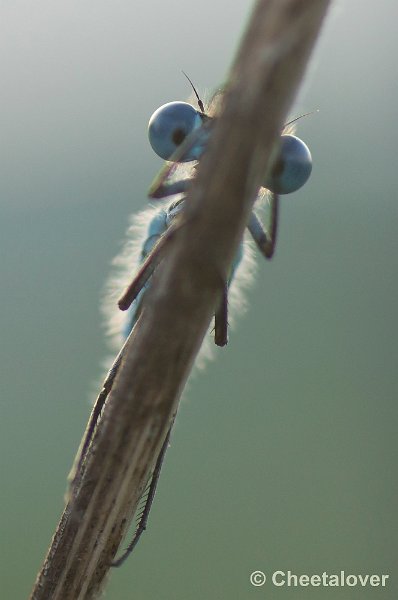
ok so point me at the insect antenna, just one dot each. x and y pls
(300, 117)
(200, 103)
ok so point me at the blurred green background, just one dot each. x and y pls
(284, 452)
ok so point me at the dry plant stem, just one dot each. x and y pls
(186, 289)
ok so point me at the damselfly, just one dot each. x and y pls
(179, 133)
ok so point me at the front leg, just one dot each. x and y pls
(151, 261)
(266, 241)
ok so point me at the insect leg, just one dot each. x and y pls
(221, 314)
(169, 189)
(148, 266)
(221, 319)
(266, 241)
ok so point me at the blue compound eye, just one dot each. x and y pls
(291, 168)
(169, 126)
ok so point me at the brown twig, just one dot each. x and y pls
(186, 287)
